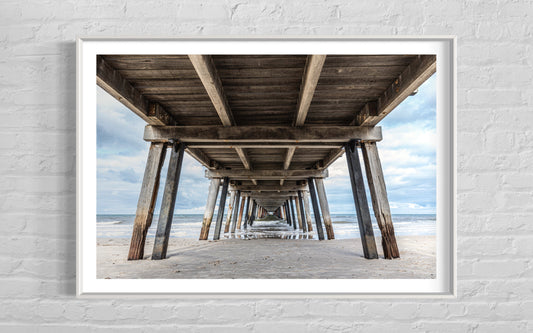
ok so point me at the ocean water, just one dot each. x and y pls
(188, 226)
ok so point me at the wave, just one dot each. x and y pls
(109, 222)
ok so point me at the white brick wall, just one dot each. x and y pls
(495, 164)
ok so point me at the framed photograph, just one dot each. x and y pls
(271, 167)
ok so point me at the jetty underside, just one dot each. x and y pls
(266, 128)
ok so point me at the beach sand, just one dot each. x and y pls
(268, 259)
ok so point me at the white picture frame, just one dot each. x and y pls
(444, 285)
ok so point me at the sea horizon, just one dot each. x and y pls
(189, 225)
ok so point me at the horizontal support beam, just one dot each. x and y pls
(266, 145)
(261, 134)
(266, 174)
(270, 195)
(269, 188)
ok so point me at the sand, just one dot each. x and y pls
(268, 259)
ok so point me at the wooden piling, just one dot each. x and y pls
(241, 211)
(305, 198)
(380, 202)
(247, 213)
(221, 207)
(147, 199)
(254, 213)
(301, 216)
(229, 216)
(169, 202)
(361, 205)
(324, 207)
(236, 211)
(293, 217)
(316, 211)
(210, 208)
(288, 211)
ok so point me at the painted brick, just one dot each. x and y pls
(494, 156)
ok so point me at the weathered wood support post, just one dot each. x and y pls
(241, 211)
(301, 214)
(210, 208)
(380, 202)
(324, 207)
(316, 211)
(231, 206)
(361, 204)
(247, 214)
(293, 217)
(236, 211)
(254, 213)
(169, 202)
(307, 211)
(147, 199)
(221, 207)
(289, 217)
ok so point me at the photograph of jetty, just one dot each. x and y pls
(266, 166)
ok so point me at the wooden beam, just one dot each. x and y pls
(241, 210)
(255, 195)
(221, 207)
(168, 203)
(361, 204)
(205, 68)
(380, 202)
(407, 82)
(293, 217)
(266, 174)
(109, 79)
(300, 207)
(265, 145)
(307, 210)
(287, 161)
(231, 206)
(301, 224)
(332, 157)
(269, 188)
(324, 207)
(202, 158)
(236, 210)
(147, 199)
(313, 68)
(209, 208)
(261, 134)
(245, 161)
(316, 211)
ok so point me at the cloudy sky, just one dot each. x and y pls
(407, 154)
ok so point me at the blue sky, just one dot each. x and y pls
(407, 152)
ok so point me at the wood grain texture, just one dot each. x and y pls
(408, 81)
(361, 204)
(221, 208)
(266, 174)
(305, 197)
(316, 211)
(147, 199)
(313, 68)
(203, 64)
(380, 202)
(229, 215)
(114, 84)
(169, 202)
(237, 212)
(261, 133)
(209, 208)
(324, 207)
